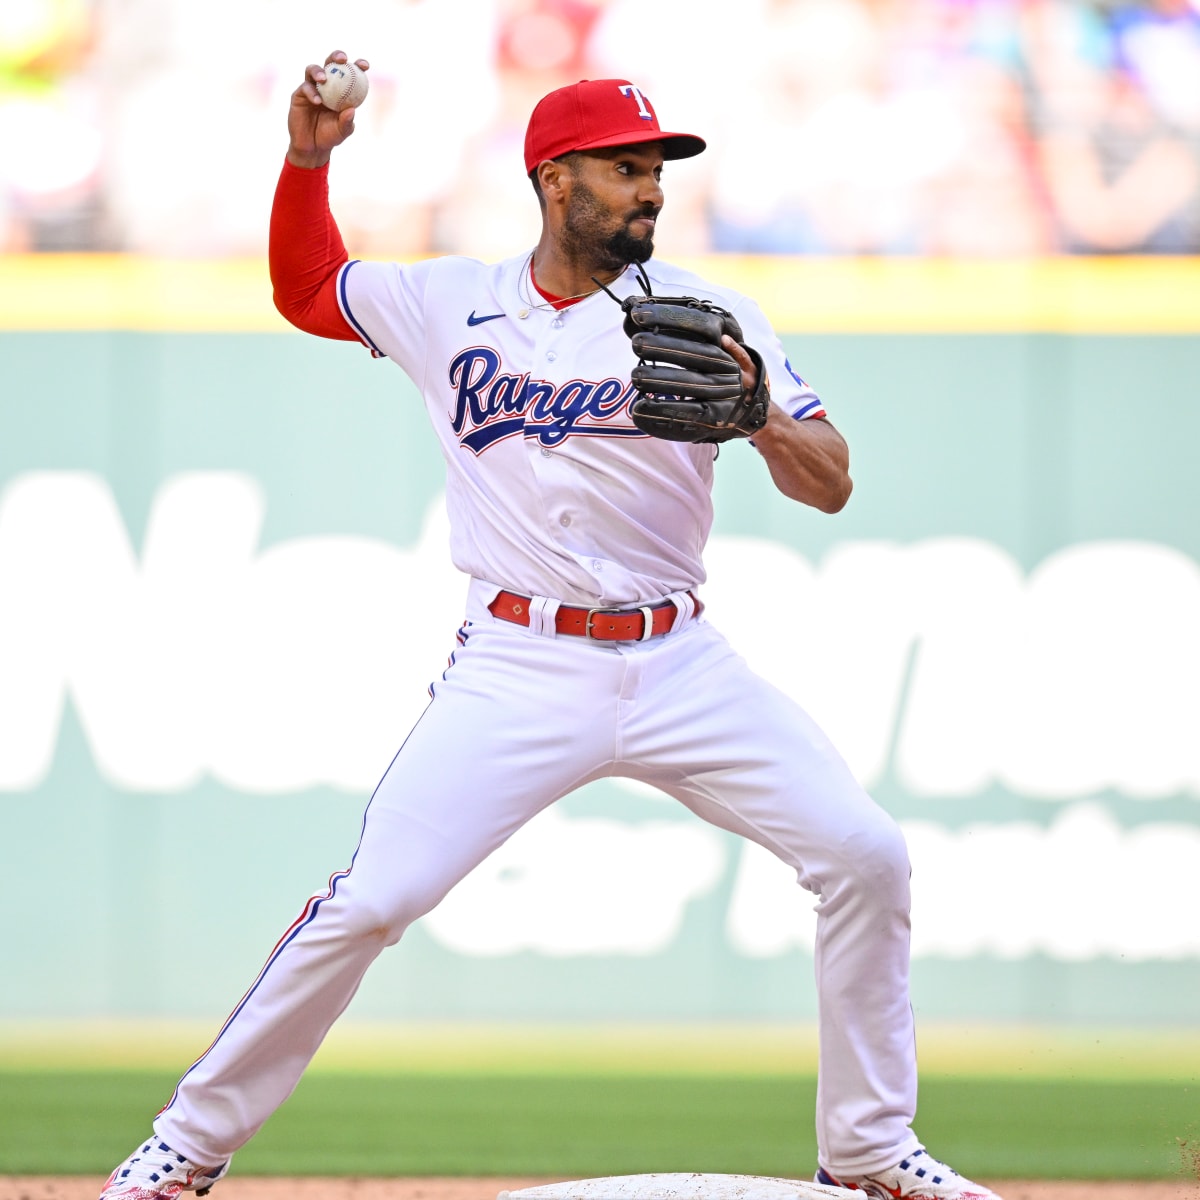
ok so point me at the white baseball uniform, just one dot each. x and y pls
(555, 496)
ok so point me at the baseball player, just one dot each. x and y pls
(579, 467)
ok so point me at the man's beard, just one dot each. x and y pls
(623, 248)
(584, 233)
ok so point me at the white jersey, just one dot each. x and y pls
(551, 489)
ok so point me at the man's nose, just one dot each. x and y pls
(651, 192)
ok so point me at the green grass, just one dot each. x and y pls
(588, 1125)
(995, 1051)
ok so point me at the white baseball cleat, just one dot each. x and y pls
(918, 1177)
(155, 1172)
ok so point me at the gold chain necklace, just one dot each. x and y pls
(525, 284)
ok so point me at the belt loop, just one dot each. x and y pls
(541, 616)
(648, 624)
(685, 608)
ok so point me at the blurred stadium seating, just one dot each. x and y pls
(961, 128)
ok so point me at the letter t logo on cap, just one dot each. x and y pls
(643, 111)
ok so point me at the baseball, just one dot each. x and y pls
(345, 86)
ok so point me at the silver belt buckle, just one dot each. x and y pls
(647, 623)
(592, 614)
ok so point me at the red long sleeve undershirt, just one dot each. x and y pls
(306, 252)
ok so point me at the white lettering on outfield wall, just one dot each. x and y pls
(1081, 676)
(304, 663)
(581, 886)
(271, 670)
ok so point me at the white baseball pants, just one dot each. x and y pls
(520, 720)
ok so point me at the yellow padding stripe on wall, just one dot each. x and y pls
(1069, 295)
(113, 291)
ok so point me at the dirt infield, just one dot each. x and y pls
(48, 1187)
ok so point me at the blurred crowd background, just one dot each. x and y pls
(958, 128)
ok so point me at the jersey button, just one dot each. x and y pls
(551, 355)
(545, 452)
(564, 519)
(597, 565)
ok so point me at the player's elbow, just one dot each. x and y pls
(292, 313)
(292, 310)
(282, 307)
(838, 495)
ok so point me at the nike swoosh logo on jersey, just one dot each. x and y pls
(474, 320)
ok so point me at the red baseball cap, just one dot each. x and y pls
(594, 113)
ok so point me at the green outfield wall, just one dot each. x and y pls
(224, 587)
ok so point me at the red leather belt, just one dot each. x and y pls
(603, 624)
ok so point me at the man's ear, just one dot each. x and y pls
(554, 178)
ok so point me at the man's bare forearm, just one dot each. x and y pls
(809, 460)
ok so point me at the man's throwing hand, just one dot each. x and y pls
(314, 129)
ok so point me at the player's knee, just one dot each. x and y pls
(877, 857)
(373, 921)
(385, 916)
